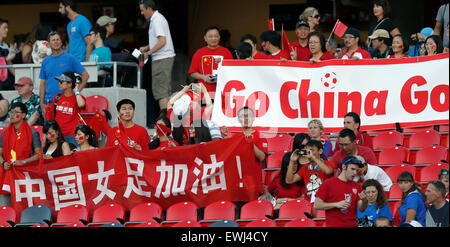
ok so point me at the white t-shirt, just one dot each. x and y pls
(160, 27)
(375, 172)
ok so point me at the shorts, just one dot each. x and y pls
(162, 77)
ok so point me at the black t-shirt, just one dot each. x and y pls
(440, 216)
(386, 24)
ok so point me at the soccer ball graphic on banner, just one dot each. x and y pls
(329, 80)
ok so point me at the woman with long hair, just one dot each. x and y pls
(54, 143)
(433, 45)
(86, 138)
(311, 15)
(413, 200)
(377, 204)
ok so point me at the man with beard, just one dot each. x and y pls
(77, 30)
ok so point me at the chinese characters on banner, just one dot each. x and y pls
(202, 174)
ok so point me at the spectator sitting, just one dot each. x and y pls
(101, 53)
(249, 38)
(317, 47)
(299, 143)
(137, 136)
(419, 38)
(437, 212)
(373, 172)
(377, 204)
(41, 48)
(163, 131)
(278, 187)
(380, 44)
(352, 121)
(383, 221)
(332, 46)
(433, 45)
(3, 109)
(86, 138)
(352, 41)
(413, 200)
(66, 107)
(299, 48)
(246, 117)
(54, 143)
(24, 87)
(400, 46)
(271, 43)
(315, 131)
(199, 132)
(348, 147)
(311, 15)
(443, 177)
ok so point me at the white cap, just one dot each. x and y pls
(181, 106)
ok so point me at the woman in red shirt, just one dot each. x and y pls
(400, 47)
(317, 47)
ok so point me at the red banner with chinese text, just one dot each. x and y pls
(219, 170)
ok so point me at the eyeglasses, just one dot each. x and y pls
(16, 112)
(349, 37)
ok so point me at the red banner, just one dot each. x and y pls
(202, 173)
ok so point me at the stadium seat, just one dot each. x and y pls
(72, 214)
(396, 170)
(8, 216)
(262, 223)
(429, 155)
(224, 223)
(35, 215)
(181, 211)
(395, 192)
(412, 130)
(109, 213)
(430, 173)
(394, 207)
(93, 113)
(96, 104)
(280, 142)
(75, 225)
(222, 210)
(424, 139)
(254, 210)
(393, 156)
(387, 139)
(2, 129)
(112, 224)
(187, 223)
(274, 160)
(149, 223)
(304, 222)
(144, 212)
(40, 130)
(445, 140)
(294, 209)
(443, 128)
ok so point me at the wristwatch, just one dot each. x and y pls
(148, 53)
(24, 162)
(77, 92)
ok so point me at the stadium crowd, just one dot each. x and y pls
(313, 170)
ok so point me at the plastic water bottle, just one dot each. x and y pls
(348, 198)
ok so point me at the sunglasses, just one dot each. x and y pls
(317, 16)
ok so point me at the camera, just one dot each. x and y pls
(301, 152)
(214, 78)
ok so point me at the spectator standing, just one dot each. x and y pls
(443, 177)
(54, 143)
(380, 44)
(339, 196)
(3, 109)
(66, 106)
(251, 39)
(353, 44)
(109, 24)
(101, 53)
(311, 15)
(24, 87)
(413, 200)
(382, 12)
(299, 48)
(437, 212)
(418, 40)
(137, 136)
(19, 144)
(77, 30)
(352, 121)
(433, 45)
(271, 43)
(400, 46)
(53, 66)
(41, 48)
(86, 138)
(246, 117)
(442, 23)
(377, 204)
(161, 51)
(373, 172)
(317, 47)
(7, 55)
(315, 131)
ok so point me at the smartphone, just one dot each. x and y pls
(196, 88)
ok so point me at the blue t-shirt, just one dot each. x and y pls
(372, 212)
(101, 54)
(54, 66)
(414, 200)
(80, 29)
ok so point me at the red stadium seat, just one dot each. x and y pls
(39, 129)
(96, 103)
(294, 209)
(262, 223)
(280, 142)
(149, 223)
(430, 173)
(93, 113)
(187, 223)
(394, 207)
(396, 170)
(222, 210)
(254, 210)
(144, 212)
(72, 214)
(429, 155)
(274, 160)
(443, 128)
(445, 140)
(393, 156)
(109, 213)
(7, 214)
(417, 129)
(424, 139)
(2, 129)
(387, 139)
(75, 225)
(181, 211)
(304, 222)
(395, 192)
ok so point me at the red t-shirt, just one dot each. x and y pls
(303, 53)
(259, 141)
(292, 191)
(281, 54)
(326, 56)
(67, 113)
(260, 55)
(361, 53)
(203, 62)
(365, 152)
(336, 190)
(362, 139)
(313, 177)
(136, 134)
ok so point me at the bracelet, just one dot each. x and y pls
(77, 92)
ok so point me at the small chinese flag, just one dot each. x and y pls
(340, 28)
(286, 44)
(271, 24)
(121, 135)
(208, 65)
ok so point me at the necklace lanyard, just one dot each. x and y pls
(70, 31)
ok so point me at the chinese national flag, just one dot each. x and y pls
(286, 44)
(121, 135)
(208, 65)
(340, 28)
(271, 24)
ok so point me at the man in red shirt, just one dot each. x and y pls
(353, 121)
(348, 146)
(249, 38)
(136, 135)
(271, 43)
(246, 117)
(339, 196)
(205, 61)
(352, 41)
(299, 48)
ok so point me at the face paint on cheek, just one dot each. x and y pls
(81, 138)
(17, 116)
(52, 135)
(433, 47)
(400, 47)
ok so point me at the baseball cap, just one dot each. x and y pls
(379, 33)
(427, 31)
(352, 160)
(353, 31)
(64, 77)
(24, 81)
(104, 20)
(301, 23)
(181, 106)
